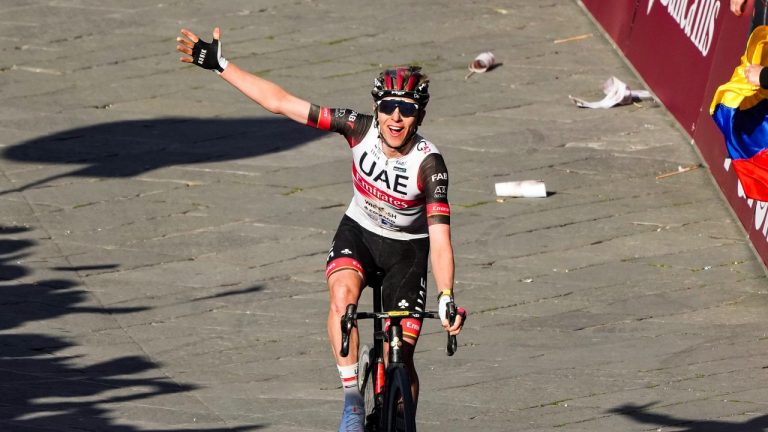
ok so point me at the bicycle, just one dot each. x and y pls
(386, 387)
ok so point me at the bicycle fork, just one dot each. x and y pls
(393, 338)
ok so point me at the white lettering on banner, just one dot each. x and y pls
(760, 207)
(697, 20)
(760, 211)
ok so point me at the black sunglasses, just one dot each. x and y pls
(407, 109)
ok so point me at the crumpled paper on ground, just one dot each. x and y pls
(616, 93)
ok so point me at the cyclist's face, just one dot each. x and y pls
(397, 126)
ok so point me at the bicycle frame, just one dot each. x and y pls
(385, 372)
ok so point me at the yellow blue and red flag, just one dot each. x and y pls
(740, 110)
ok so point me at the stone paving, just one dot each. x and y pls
(163, 239)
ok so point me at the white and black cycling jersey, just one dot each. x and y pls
(394, 197)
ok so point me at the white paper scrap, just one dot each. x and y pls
(616, 93)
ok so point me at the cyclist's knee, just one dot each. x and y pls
(344, 288)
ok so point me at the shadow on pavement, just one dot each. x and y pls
(250, 290)
(130, 148)
(43, 389)
(641, 414)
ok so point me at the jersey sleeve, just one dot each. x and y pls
(349, 123)
(433, 182)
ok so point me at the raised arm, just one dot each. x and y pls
(265, 93)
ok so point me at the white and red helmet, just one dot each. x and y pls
(403, 81)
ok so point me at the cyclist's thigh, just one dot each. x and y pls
(348, 252)
(404, 286)
(405, 280)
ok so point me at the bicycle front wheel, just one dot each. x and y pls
(366, 382)
(400, 410)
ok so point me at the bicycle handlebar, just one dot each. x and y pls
(349, 317)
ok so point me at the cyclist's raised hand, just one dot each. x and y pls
(207, 55)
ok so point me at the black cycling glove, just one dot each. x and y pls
(207, 55)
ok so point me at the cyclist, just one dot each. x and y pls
(399, 210)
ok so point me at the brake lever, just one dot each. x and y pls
(453, 344)
(347, 322)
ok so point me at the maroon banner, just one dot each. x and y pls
(684, 50)
(615, 16)
(672, 45)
